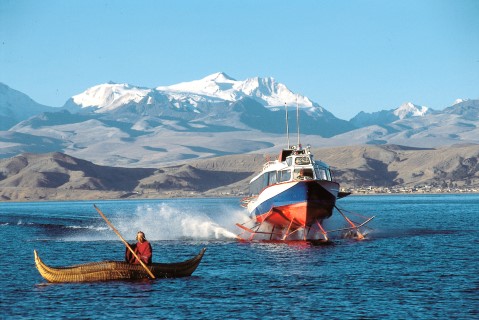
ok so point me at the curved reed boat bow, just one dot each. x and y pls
(116, 270)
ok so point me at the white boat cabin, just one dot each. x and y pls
(293, 164)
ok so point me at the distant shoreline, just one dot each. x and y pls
(411, 193)
(107, 196)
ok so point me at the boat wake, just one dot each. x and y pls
(166, 222)
(163, 222)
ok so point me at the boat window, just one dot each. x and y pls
(303, 174)
(302, 160)
(284, 175)
(272, 178)
(289, 161)
(322, 174)
(265, 180)
(268, 178)
(256, 186)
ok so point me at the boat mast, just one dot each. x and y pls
(287, 125)
(297, 119)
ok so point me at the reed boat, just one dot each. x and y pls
(116, 270)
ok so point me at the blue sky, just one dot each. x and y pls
(346, 55)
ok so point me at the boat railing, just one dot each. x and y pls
(267, 164)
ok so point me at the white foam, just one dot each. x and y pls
(98, 228)
(166, 222)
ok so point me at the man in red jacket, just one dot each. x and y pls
(142, 249)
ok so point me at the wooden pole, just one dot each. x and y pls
(124, 241)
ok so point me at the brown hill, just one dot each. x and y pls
(57, 176)
(57, 170)
(392, 165)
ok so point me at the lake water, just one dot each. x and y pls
(420, 261)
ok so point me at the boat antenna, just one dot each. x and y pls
(297, 119)
(287, 125)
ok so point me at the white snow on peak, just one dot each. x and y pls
(459, 101)
(109, 96)
(215, 88)
(273, 93)
(410, 110)
(219, 85)
(218, 77)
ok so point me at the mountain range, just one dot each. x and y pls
(124, 125)
(57, 176)
(16, 107)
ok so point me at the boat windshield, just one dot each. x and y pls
(302, 160)
(322, 173)
(303, 174)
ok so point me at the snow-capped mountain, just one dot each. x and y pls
(384, 117)
(127, 125)
(217, 88)
(109, 96)
(219, 85)
(214, 98)
(409, 109)
(16, 106)
(467, 109)
(456, 124)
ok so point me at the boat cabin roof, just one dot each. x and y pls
(292, 158)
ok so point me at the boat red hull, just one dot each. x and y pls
(299, 206)
(295, 215)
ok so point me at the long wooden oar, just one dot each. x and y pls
(124, 241)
